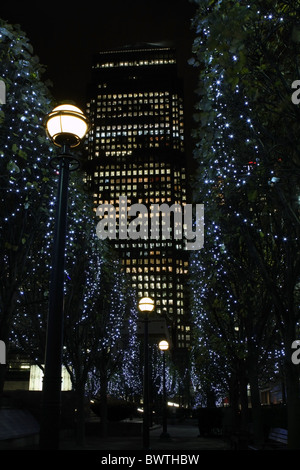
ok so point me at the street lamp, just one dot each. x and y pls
(66, 126)
(146, 306)
(164, 346)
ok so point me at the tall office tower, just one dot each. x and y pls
(137, 146)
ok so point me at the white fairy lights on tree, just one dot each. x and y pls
(246, 152)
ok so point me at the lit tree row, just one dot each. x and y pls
(28, 188)
(248, 175)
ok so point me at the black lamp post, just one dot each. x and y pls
(66, 126)
(164, 346)
(146, 305)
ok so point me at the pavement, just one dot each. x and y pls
(183, 446)
(182, 437)
(18, 435)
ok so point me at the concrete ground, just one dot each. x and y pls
(182, 437)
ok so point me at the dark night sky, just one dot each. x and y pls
(65, 37)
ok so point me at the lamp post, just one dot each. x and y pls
(164, 346)
(146, 306)
(66, 126)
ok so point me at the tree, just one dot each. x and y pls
(248, 153)
(24, 154)
(100, 320)
(115, 328)
(235, 328)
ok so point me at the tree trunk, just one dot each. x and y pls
(243, 400)
(80, 416)
(257, 420)
(234, 403)
(103, 406)
(4, 335)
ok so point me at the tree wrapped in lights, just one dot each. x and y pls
(100, 318)
(115, 325)
(248, 175)
(24, 153)
(173, 379)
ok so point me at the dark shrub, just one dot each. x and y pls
(210, 421)
(117, 409)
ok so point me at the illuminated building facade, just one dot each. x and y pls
(136, 145)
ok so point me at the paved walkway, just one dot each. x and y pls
(183, 437)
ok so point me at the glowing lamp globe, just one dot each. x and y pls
(66, 125)
(146, 304)
(163, 345)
